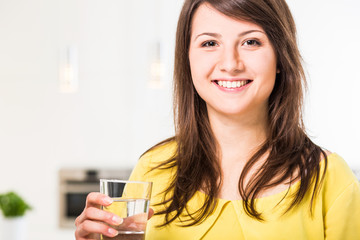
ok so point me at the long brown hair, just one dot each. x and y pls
(292, 155)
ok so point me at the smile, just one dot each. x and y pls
(232, 84)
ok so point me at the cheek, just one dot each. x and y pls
(263, 66)
(194, 69)
(198, 70)
(202, 64)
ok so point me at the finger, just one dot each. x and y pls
(96, 199)
(93, 199)
(135, 223)
(151, 213)
(96, 214)
(89, 227)
(88, 238)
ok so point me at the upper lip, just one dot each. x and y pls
(231, 79)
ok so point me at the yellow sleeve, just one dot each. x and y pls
(342, 220)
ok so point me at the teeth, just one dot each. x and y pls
(232, 84)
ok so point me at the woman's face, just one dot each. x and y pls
(233, 64)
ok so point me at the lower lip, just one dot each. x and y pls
(232, 90)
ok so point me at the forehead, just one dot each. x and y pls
(207, 18)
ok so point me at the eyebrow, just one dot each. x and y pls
(217, 35)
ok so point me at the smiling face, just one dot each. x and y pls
(232, 62)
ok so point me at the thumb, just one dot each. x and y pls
(151, 213)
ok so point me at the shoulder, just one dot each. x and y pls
(159, 154)
(339, 169)
(147, 167)
(340, 200)
(338, 180)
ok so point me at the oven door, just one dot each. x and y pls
(73, 199)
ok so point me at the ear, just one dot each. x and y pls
(277, 70)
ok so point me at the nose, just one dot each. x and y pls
(230, 61)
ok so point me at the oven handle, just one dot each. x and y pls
(80, 188)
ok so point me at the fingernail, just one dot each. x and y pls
(117, 220)
(112, 232)
(107, 201)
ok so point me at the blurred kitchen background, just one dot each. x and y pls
(85, 89)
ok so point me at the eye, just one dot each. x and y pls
(252, 42)
(209, 44)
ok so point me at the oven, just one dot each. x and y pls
(76, 184)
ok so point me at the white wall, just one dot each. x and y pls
(329, 33)
(115, 116)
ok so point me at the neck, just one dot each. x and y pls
(238, 137)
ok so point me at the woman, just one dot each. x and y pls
(240, 165)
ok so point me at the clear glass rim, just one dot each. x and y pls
(122, 181)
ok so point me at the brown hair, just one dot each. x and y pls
(292, 155)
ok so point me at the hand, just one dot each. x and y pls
(93, 221)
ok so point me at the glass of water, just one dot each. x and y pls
(131, 201)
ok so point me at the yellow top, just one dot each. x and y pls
(336, 214)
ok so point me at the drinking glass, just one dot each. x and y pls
(131, 201)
